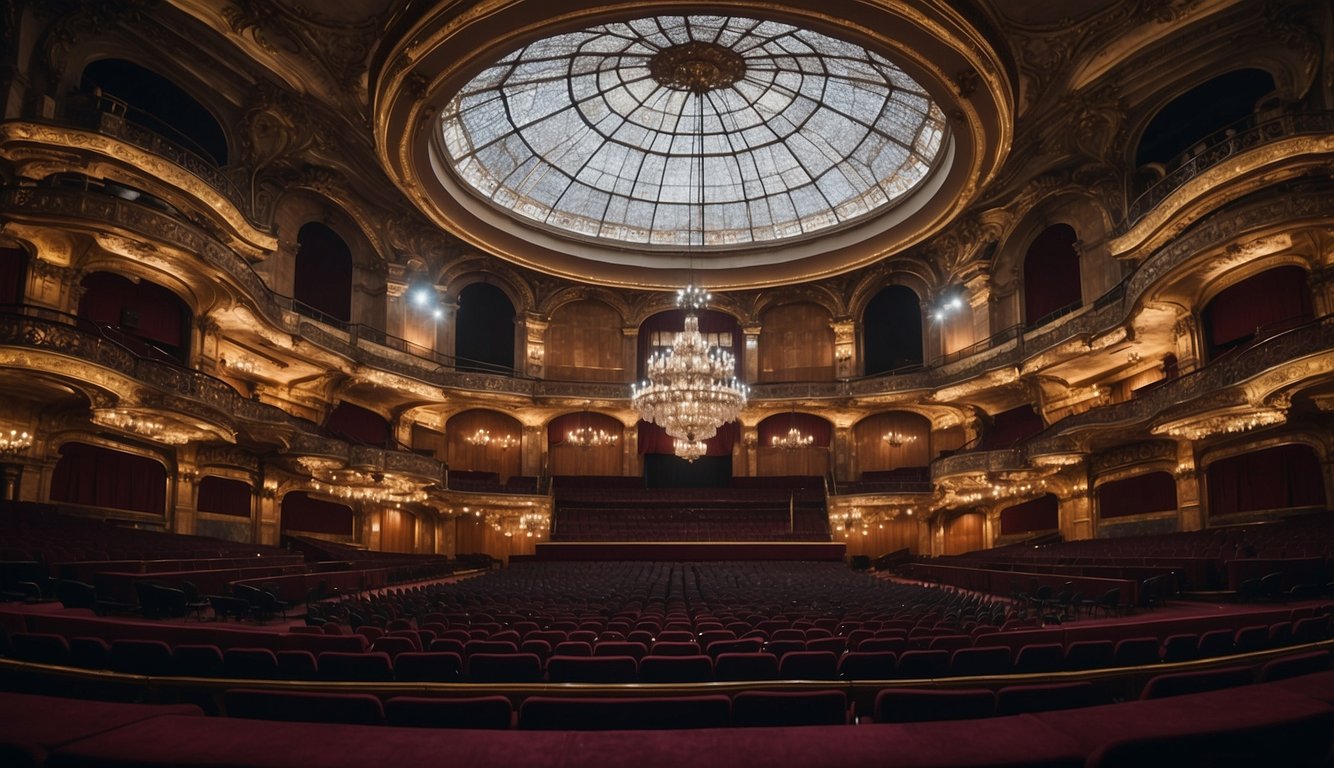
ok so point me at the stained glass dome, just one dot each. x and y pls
(627, 132)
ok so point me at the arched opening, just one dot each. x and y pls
(13, 275)
(1205, 109)
(303, 513)
(586, 444)
(155, 103)
(1255, 308)
(148, 319)
(484, 330)
(1034, 516)
(1009, 427)
(893, 447)
(224, 496)
(793, 444)
(796, 343)
(1280, 478)
(103, 477)
(322, 279)
(1051, 276)
(584, 343)
(357, 425)
(483, 447)
(1139, 495)
(892, 330)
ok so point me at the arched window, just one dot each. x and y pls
(151, 101)
(148, 319)
(1051, 275)
(796, 344)
(1257, 307)
(892, 330)
(1203, 110)
(484, 330)
(322, 280)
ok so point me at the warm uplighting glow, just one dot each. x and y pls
(792, 440)
(688, 449)
(14, 442)
(897, 439)
(691, 389)
(587, 437)
(483, 437)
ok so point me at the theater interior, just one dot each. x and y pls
(448, 382)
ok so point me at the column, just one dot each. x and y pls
(268, 510)
(533, 445)
(1321, 283)
(534, 332)
(751, 356)
(1190, 511)
(185, 511)
(979, 299)
(1074, 511)
(846, 363)
(1189, 346)
(845, 460)
(445, 331)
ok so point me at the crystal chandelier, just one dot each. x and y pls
(587, 437)
(483, 438)
(14, 442)
(689, 449)
(691, 389)
(896, 439)
(792, 440)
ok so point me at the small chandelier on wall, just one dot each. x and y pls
(898, 439)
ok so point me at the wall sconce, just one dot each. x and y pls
(950, 301)
(843, 354)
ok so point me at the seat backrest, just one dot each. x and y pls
(1019, 699)
(789, 708)
(304, 706)
(867, 665)
(915, 705)
(372, 666)
(429, 666)
(808, 665)
(40, 647)
(676, 669)
(550, 713)
(481, 712)
(984, 660)
(592, 669)
(141, 657)
(1136, 651)
(503, 668)
(745, 666)
(197, 660)
(1181, 683)
(923, 663)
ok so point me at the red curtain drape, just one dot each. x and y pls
(224, 496)
(323, 278)
(357, 425)
(1009, 427)
(101, 477)
(1272, 298)
(301, 512)
(1040, 514)
(1051, 273)
(13, 272)
(140, 309)
(1276, 478)
(654, 439)
(778, 426)
(1138, 495)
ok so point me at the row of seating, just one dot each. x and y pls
(1287, 722)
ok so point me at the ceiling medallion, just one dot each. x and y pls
(697, 67)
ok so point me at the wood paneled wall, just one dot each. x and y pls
(796, 344)
(874, 454)
(475, 535)
(810, 461)
(585, 343)
(902, 531)
(398, 531)
(429, 442)
(565, 459)
(483, 458)
(964, 533)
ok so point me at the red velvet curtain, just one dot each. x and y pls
(139, 309)
(13, 272)
(323, 277)
(101, 477)
(1051, 273)
(778, 426)
(654, 439)
(1138, 495)
(357, 425)
(1276, 297)
(224, 496)
(1276, 478)
(1040, 514)
(1009, 427)
(301, 512)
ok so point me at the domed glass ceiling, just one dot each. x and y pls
(602, 133)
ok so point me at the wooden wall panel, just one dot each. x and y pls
(796, 344)
(585, 343)
(565, 459)
(963, 533)
(398, 531)
(474, 535)
(874, 454)
(483, 458)
(810, 461)
(429, 442)
(895, 534)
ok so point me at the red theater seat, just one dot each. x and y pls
(503, 668)
(433, 667)
(592, 669)
(787, 708)
(1181, 683)
(734, 667)
(302, 706)
(1020, 699)
(914, 705)
(485, 712)
(676, 669)
(548, 713)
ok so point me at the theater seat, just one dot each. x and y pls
(676, 669)
(141, 657)
(592, 669)
(367, 667)
(40, 648)
(808, 665)
(305, 707)
(1019, 699)
(1295, 665)
(503, 668)
(547, 713)
(432, 667)
(867, 665)
(484, 712)
(987, 660)
(732, 667)
(1181, 683)
(917, 705)
(788, 708)
(250, 664)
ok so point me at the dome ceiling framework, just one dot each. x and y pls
(573, 145)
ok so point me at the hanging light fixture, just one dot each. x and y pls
(794, 439)
(897, 439)
(588, 437)
(691, 389)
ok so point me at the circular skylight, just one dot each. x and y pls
(625, 132)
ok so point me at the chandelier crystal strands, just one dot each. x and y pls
(690, 390)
